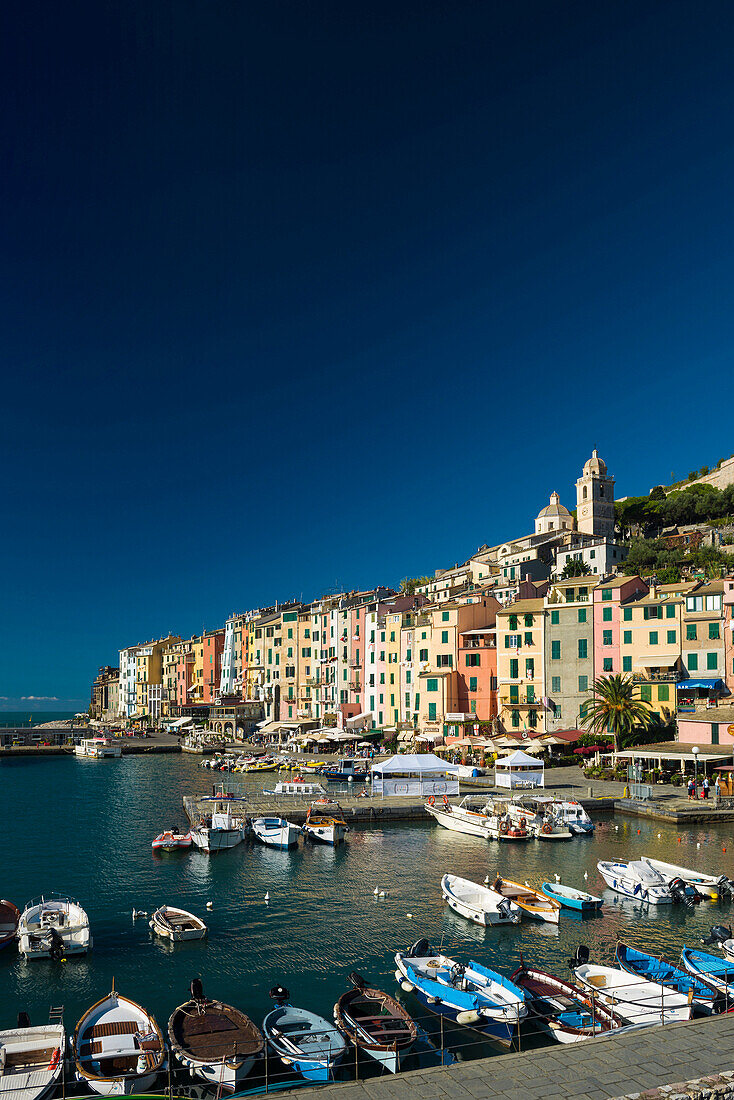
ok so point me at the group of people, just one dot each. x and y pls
(693, 787)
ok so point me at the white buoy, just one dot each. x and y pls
(698, 845)
(586, 874)
(659, 835)
(557, 877)
(267, 896)
(350, 779)
(616, 828)
(486, 880)
(409, 916)
(210, 905)
(376, 891)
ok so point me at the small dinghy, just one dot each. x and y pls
(471, 994)
(563, 1010)
(326, 828)
(704, 995)
(570, 898)
(302, 1039)
(53, 927)
(9, 920)
(638, 880)
(31, 1060)
(718, 972)
(118, 1047)
(171, 841)
(709, 886)
(630, 996)
(531, 901)
(376, 1023)
(177, 925)
(214, 1041)
(479, 903)
(276, 832)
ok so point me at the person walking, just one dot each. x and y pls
(690, 789)
(717, 790)
(705, 786)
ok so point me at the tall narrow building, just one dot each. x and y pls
(595, 499)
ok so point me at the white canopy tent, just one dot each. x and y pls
(519, 770)
(414, 774)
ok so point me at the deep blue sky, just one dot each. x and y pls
(301, 294)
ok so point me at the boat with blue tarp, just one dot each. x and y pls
(571, 898)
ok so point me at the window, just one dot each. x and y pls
(514, 669)
(653, 637)
(692, 662)
(473, 660)
(663, 693)
(408, 676)
(444, 637)
(531, 693)
(714, 733)
(555, 618)
(646, 693)
(582, 614)
(515, 719)
(670, 611)
(711, 661)
(530, 669)
(627, 637)
(423, 655)
(514, 693)
(445, 660)
(713, 631)
(694, 603)
(528, 620)
(606, 614)
(583, 683)
(713, 603)
(472, 683)
(431, 685)
(606, 637)
(608, 664)
(583, 648)
(671, 636)
(652, 613)
(431, 712)
(627, 614)
(606, 593)
(532, 717)
(528, 638)
(555, 651)
(444, 616)
(555, 684)
(690, 632)
(626, 664)
(513, 622)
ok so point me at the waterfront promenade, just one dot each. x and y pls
(628, 1065)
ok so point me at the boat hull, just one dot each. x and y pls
(93, 1030)
(568, 901)
(282, 836)
(216, 840)
(487, 913)
(37, 1080)
(621, 882)
(460, 823)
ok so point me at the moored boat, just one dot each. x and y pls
(276, 832)
(344, 771)
(53, 927)
(376, 1023)
(31, 1060)
(459, 818)
(540, 814)
(710, 886)
(300, 1038)
(118, 1047)
(478, 903)
(574, 817)
(562, 1010)
(9, 920)
(327, 828)
(98, 748)
(220, 826)
(657, 969)
(471, 994)
(718, 972)
(531, 901)
(171, 840)
(296, 786)
(177, 925)
(568, 897)
(213, 1040)
(633, 997)
(637, 879)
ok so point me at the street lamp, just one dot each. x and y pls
(695, 750)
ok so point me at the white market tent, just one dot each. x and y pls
(414, 773)
(519, 770)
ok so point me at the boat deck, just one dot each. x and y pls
(219, 1031)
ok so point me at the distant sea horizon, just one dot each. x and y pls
(32, 717)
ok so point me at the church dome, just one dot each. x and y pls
(595, 465)
(555, 508)
(554, 517)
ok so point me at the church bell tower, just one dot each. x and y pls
(595, 499)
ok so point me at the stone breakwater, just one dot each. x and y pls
(717, 1086)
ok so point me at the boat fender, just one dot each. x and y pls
(470, 1017)
(546, 829)
(431, 801)
(398, 976)
(407, 987)
(286, 1061)
(433, 1000)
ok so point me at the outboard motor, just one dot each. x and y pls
(726, 886)
(24, 1019)
(682, 894)
(504, 908)
(418, 949)
(718, 934)
(580, 958)
(197, 990)
(56, 950)
(357, 980)
(279, 994)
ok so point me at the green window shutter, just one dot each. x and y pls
(444, 637)
(583, 647)
(555, 617)
(626, 664)
(507, 641)
(582, 614)
(606, 637)
(690, 632)
(444, 616)
(431, 712)
(528, 638)
(530, 669)
(606, 614)
(555, 684)
(514, 669)
(555, 651)
(583, 683)
(646, 693)
(515, 719)
(514, 693)
(627, 613)
(646, 612)
(431, 685)
(606, 593)
(472, 683)
(627, 637)
(692, 662)
(670, 611)
(672, 635)
(513, 622)
(713, 630)
(714, 733)
(608, 665)
(528, 620)
(711, 661)
(653, 637)
(531, 693)
(663, 693)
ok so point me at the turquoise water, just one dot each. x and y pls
(84, 827)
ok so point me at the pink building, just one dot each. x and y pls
(213, 645)
(608, 599)
(729, 632)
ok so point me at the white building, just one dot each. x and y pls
(128, 676)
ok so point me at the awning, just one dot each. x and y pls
(180, 722)
(657, 660)
(706, 685)
(359, 717)
(406, 736)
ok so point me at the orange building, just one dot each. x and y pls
(477, 668)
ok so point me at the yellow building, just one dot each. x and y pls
(650, 644)
(520, 671)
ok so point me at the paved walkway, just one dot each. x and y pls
(592, 1070)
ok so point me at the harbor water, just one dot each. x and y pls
(84, 828)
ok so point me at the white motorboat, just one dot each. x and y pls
(328, 828)
(177, 925)
(636, 999)
(118, 1047)
(98, 748)
(710, 886)
(461, 818)
(220, 827)
(479, 903)
(53, 927)
(276, 832)
(296, 786)
(574, 817)
(213, 1040)
(501, 824)
(538, 811)
(636, 879)
(31, 1060)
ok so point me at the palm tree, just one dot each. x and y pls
(616, 706)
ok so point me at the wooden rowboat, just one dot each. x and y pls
(375, 1023)
(531, 901)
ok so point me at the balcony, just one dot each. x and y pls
(354, 663)
(489, 643)
(354, 685)
(669, 677)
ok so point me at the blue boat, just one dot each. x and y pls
(343, 771)
(471, 995)
(718, 972)
(570, 898)
(301, 1039)
(655, 969)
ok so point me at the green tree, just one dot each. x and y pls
(408, 585)
(658, 493)
(575, 567)
(616, 706)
